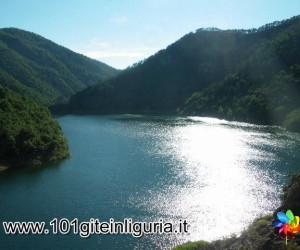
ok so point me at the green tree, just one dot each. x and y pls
(28, 134)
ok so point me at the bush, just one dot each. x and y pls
(292, 121)
(28, 134)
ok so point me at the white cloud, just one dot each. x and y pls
(119, 19)
(99, 43)
(115, 55)
(120, 58)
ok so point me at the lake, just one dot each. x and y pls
(216, 175)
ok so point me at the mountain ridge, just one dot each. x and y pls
(43, 70)
(234, 72)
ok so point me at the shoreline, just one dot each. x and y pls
(261, 234)
(3, 168)
(83, 113)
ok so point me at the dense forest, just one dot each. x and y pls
(28, 134)
(35, 70)
(246, 75)
(48, 73)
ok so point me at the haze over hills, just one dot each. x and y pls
(247, 75)
(38, 68)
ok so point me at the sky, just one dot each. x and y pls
(123, 32)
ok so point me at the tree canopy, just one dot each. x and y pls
(28, 134)
(247, 75)
(48, 73)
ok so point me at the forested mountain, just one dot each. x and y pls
(28, 134)
(249, 75)
(36, 67)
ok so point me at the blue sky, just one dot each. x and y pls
(122, 32)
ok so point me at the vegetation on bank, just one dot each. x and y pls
(260, 234)
(44, 71)
(243, 99)
(28, 134)
(245, 75)
(292, 121)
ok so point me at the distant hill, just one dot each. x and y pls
(36, 67)
(248, 75)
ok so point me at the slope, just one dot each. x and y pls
(232, 74)
(36, 67)
(28, 134)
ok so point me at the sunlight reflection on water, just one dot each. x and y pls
(218, 175)
(223, 180)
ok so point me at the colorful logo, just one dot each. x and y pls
(287, 224)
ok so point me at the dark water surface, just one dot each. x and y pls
(217, 175)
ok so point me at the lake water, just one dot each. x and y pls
(217, 175)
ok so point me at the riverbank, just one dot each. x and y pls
(260, 234)
(2, 168)
(292, 123)
(28, 133)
